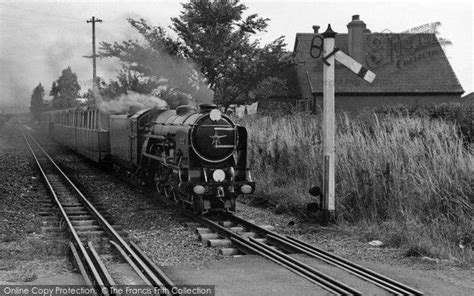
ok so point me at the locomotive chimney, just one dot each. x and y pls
(203, 108)
(355, 38)
(316, 29)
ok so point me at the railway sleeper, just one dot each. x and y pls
(191, 224)
(229, 251)
(91, 234)
(77, 213)
(73, 209)
(84, 228)
(50, 222)
(89, 222)
(72, 206)
(248, 234)
(222, 243)
(45, 200)
(51, 229)
(51, 218)
(80, 217)
(205, 237)
(203, 230)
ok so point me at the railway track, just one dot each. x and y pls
(250, 238)
(87, 227)
(83, 221)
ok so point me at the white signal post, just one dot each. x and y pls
(329, 127)
(330, 55)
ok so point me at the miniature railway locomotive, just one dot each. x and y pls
(197, 157)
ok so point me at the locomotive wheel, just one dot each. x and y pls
(232, 205)
(198, 205)
(165, 190)
(169, 193)
(157, 183)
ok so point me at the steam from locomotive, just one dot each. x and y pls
(130, 102)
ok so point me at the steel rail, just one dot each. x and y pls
(77, 243)
(156, 278)
(161, 274)
(80, 265)
(253, 247)
(131, 263)
(104, 273)
(293, 244)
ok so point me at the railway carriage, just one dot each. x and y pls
(82, 129)
(92, 133)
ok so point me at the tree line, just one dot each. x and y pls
(216, 50)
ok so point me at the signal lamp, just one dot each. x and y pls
(198, 189)
(215, 115)
(218, 175)
(246, 189)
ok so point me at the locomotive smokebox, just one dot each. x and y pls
(204, 108)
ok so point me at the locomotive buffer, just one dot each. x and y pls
(330, 53)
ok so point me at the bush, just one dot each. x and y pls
(409, 172)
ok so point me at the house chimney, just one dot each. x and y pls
(316, 29)
(356, 38)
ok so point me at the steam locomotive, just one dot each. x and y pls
(195, 156)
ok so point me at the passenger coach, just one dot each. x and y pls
(83, 129)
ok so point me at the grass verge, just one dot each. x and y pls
(402, 178)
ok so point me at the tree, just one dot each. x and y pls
(213, 48)
(214, 35)
(155, 66)
(65, 90)
(37, 103)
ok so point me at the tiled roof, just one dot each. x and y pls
(403, 63)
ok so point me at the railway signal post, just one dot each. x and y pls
(330, 54)
(329, 127)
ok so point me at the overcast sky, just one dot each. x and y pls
(38, 39)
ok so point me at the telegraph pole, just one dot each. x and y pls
(93, 20)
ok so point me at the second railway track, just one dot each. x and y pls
(250, 238)
(90, 232)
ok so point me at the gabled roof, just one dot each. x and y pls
(403, 63)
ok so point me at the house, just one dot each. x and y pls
(468, 99)
(411, 69)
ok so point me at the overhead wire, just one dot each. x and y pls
(26, 21)
(39, 12)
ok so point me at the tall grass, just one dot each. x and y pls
(407, 180)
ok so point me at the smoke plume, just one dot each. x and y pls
(131, 103)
